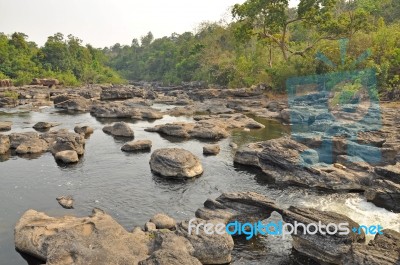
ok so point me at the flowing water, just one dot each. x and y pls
(123, 185)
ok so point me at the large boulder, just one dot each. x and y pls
(321, 246)
(96, 239)
(17, 139)
(383, 250)
(4, 144)
(126, 109)
(120, 92)
(65, 141)
(67, 157)
(175, 163)
(33, 146)
(385, 194)
(119, 129)
(72, 102)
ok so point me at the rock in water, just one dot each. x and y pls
(211, 149)
(139, 145)
(33, 146)
(67, 157)
(119, 129)
(4, 144)
(175, 163)
(163, 221)
(66, 202)
(5, 126)
(44, 125)
(83, 130)
(97, 239)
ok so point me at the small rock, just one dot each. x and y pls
(4, 144)
(163, 221)
(67, 156)
(5, 126)
(233, 145)
(212, 149)
(44, 125)
(149, 226)
(119, 129)
(339, 166)
(83, 130)
(138, 145)
(66, 202)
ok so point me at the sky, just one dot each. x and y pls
(106, 22)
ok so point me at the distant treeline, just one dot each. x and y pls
(267, 42)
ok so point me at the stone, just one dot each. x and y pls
(119, 129)
(18, 138)
(149, 226)
(67, 157)
(163, 221)
(65, 141)
(383, 250)
(4, 144)
(44, 125)
(211, 149)
(5, 126)
(85, 130)
(32, 146)
(322, 247)
(72, 102)
(120, 92)
(175, 163)
(385, 194)
(390, 172)
(97, 239)
(66, 202)
(138, 145)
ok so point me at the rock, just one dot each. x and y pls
(120, 92)
(149, 227)
(170, 249)
(233, 145)
(208, 249)
(6, 83)
(384, 193)
(139, 145)
(238, 206)
(163, 221)
(96, 239)
(5, 126)
(45, 82)
(66, 202)
(248, 155)
(127, 109)
(119, 129)
(65, 141)
(4, 144)
(322, 247)
(72, 102)
(33, 146)
(85, 130)
(18, 138)
(175, 163)
(213, 149)
(44, 125)
(383, 250)
(67, 157)
(390, 172)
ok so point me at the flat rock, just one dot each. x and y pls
(96, 239)
(5, 126)
(32, 146)
(138, 145)
(385, 194)
(390, 172)
(163, 221)
(18, 138)
(45, 125)
(119, 129)
(67, 157)
(175, 163)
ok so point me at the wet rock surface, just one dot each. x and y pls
(211, 149)
(119, 129)
(138, 145)
(66, 202)
(67, 157)
(175, 163)
(5, 126)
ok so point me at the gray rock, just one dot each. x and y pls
(44, 125)
(18, 138)
(66, 141)
(72, 102)
(32, 146)
(67, 157)
(83, 130)
(390, 172)
(383, 250)
(120, 92)
(384, 193)
(149, 226)
(119, 129)
(175, 163)
(213, 149)
(163, 221)
(138, 145)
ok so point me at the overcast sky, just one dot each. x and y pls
(106, 22)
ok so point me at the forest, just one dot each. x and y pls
(266, 42)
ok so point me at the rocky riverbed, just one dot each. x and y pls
(132, 153)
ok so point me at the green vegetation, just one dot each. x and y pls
(64, 59)
(267, 42)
